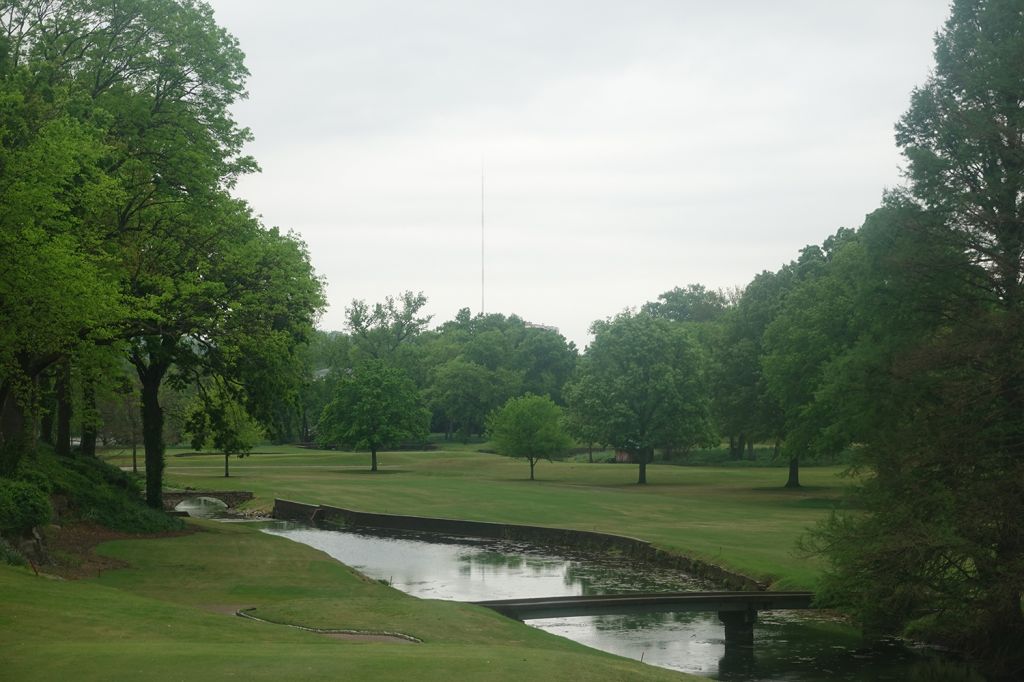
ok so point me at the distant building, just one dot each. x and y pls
(545, 327)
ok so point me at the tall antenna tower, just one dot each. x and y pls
(481, 235)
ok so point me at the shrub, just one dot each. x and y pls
(9, 555)
(97, 491)
(22, 506)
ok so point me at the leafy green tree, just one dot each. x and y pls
(466, 392)
(744, 408)
(374, 406)
(218, 419)
(705, 313)
(546, 361)
(582, 418)
(57, 290)
(644, 376)
(530, 427)
(474, 364)
(693, 303)
(237, 308)
(938, 548)
(120, 113)
(381, 331)
(814, 325)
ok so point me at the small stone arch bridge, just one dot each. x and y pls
(232, 498)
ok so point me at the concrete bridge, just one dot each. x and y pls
(232, 498)
(736, 610)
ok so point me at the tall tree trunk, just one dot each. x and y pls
(153, 432)
(88, 446)
(741, 445)
(226, 475)
(590, 452)
(794, 472)
(642, 458)
(750, 449)
(532, 462)
(48, 405)
(14, 439)
(373, 459)
(732, 447)
(63, 389)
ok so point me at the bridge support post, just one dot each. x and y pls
(739, 626)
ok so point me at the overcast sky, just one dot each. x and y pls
(628, 147)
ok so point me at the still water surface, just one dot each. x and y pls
(791, 646)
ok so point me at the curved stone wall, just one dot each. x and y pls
(327, 516)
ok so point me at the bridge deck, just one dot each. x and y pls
(610, 604)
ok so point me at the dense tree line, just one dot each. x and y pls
(123, 245)
(464, 368)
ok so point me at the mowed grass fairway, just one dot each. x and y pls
(169, 617)
(169, 614)
(740, 518)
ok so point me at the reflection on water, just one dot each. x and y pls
(792, 646)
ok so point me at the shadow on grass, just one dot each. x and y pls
(795, 491)
(367, 472)
(616, 485)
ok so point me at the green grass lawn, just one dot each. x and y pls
(740, 518)
(168, 616)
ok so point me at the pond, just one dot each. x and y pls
(792, 646)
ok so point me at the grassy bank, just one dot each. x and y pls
(167, 616)
(738, 517)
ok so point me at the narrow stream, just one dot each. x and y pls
(794, 646)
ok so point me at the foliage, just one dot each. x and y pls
(9, 555)
(936, 391)
(478, 363)
(643, 381)
(117, 154)
(375, 406)
(816, 322)
(582, 419)
(529, 426)
(218, 418)
(380, 331)
(22, 507)
(694, 303)
(95, 491)
(466, 392)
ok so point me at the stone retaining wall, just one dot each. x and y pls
(327, 516)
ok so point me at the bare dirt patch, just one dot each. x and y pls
(72, 549)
